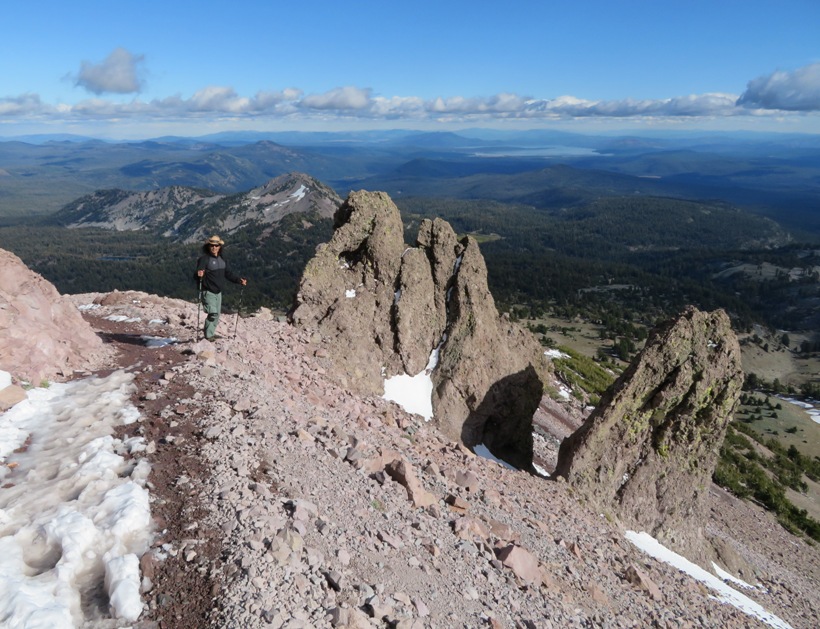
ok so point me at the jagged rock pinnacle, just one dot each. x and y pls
(648, 451)
(379, 308)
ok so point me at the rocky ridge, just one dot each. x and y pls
(379, 309)
(42, 334)
(176, 212)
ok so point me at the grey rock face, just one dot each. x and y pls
(379, 308)
(489, 381)
(648, 451)
(347, 291)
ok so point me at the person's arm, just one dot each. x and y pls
(233, 277)
(201, 265)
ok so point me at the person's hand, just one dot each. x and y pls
(200, 273)
(243, 281)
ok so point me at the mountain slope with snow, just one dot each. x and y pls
(281, 500)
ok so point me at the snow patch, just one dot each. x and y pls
(122, 319)
(726, 594)
(730, 577)
(812, 407)
(554, 353)
(157, 341)
(541, 471)
(300, 193)
(414, 393)
(564, 393)
(71, 501)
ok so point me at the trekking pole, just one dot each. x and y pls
(198, 308)
(238, 310)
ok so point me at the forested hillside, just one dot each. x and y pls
(646, 255)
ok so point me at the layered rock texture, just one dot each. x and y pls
(42, 335)
(646, 454)
(380, 308)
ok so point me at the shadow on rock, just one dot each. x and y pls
(503, 419)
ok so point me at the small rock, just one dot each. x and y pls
(521, 562)
(457, 504)
(467, 479)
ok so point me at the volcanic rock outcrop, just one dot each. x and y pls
(42, 334)
(647, 453)
(379, 308)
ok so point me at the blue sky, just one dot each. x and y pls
(131, 69)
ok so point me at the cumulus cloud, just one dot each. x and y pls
(119, 73)
(222, 99)
(341, 98)
(798, 90)
(687, 106)
(499, 103)
(23, 105)
(779, 93)
(212, 101)
(397, 107)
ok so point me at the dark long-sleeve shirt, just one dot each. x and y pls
(216, 272)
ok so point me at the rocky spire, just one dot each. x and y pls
(646, 454)
(379, 308)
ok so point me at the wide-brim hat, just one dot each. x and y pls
(214, 240)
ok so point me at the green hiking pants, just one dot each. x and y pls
(212, 305)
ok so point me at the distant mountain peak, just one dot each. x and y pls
(187, 214)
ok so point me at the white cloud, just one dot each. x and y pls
(695, 105)
(341, 98)
(23, 105)
(119, 73)
(771, 96)
(790, 91)
(221, 99)
(397, 107)
(497, 104)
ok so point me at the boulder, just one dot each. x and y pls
(42, 334)
(11, 395)
(646, 454)
(379, 308)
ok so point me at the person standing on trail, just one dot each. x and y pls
(212, 270)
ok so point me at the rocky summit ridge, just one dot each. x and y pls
(284, 497)
(380, 308)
